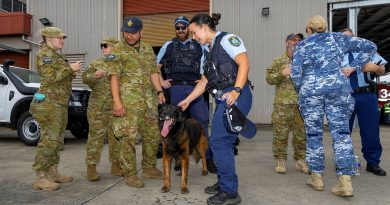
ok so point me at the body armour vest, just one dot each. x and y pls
(183, 61)
(220, 69)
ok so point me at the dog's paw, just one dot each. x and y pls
(204, 173)
(165, 189)
(185, 191)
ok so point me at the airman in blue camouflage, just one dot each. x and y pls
(324, 89)
(134, 74)
(50, 107)
(100, 113)
(286, 115)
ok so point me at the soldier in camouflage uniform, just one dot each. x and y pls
(286, 115)
(134, 73)
(50, 107)
(100, 114)
(324, 89)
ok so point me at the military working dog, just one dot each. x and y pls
(181, 138)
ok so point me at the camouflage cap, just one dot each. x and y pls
(52, 32)
(292, 35)
(111, 41)
(132, 24)
(317, 24)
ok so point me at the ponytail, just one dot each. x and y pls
(205, 19)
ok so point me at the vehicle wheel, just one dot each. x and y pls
(79, 130)
(28, 129)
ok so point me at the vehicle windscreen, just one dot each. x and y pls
(26, 76)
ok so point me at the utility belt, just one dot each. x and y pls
(225, 84)
(365, 89)
(184, 82)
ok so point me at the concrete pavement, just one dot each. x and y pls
(258, 182)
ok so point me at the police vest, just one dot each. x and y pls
(183, 61)
(219, 68)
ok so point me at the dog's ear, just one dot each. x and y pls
(160, 106)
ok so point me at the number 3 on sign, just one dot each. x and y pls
(384, 93)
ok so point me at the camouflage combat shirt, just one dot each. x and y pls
(56, 75)
(284, 92)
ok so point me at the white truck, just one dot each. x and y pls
(17, 87)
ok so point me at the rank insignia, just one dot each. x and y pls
(47, 60)
(110, 57)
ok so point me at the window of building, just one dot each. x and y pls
(13, 5)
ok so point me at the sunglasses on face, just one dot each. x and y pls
(181, 27)
(103, 45)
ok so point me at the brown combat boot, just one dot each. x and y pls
(116, 169)
(343, 187)
(302, 166)
(134, 181)
(280, 166)
(152, 173)
(92, 174)
(315, 182)
(57, 177)
(44, 182)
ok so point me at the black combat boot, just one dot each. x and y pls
(222, 198)
(213, 189)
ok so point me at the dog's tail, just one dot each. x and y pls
(196, 155)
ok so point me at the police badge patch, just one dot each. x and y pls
(47, 60)
(234, 41)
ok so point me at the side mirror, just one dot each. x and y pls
(3, 80)
(7, 63)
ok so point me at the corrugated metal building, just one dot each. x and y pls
(264, 34)
(88, 21)
(264, 38)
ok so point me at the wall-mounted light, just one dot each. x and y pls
(45, 22)
(265, 11)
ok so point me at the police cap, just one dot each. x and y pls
(183, 20)
(132, 24)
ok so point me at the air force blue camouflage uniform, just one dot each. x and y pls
(316, 74)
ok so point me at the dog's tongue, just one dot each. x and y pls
(165, 129)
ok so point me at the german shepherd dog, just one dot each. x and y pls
(181, 138)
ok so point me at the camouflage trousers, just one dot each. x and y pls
(100, 128)
(137, 120)
(338, 109)
(284, 119)
(52, 119)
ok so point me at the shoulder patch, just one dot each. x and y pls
(47, 60)
(234, 41)
(110, 57)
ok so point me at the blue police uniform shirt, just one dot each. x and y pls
(232, 50)
(360, 76)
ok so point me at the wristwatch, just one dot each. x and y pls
(237, 89)
(160, 91)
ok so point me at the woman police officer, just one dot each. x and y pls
(226, 68)
(50, 107)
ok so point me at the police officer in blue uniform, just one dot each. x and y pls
(226, 68)
(324, 88)
(181, 60)
(366, 108)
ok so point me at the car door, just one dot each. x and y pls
(4, 89)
